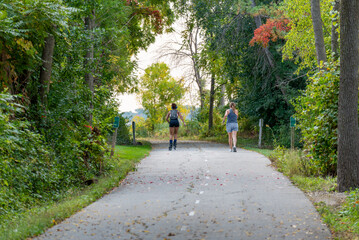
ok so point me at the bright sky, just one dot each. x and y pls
(129, 102)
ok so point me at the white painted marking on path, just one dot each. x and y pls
(201, 192)
(197, 201)
(191, 213)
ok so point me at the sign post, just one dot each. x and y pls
(260, 133)
(116, 124)
(134, 132)
(292, 131)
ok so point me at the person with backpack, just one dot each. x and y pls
(174, 125)
(231, 126)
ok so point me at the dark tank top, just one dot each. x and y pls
(232, 117)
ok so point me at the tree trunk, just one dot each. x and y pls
(89, 59)
(318, 31)
(335, 34)
(211, 103)
(193, 47)
(222, 100)
(46, 69)
(348, 132)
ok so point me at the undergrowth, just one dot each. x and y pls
(35, 220)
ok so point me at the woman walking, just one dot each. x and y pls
(174, 125)
(231, 126)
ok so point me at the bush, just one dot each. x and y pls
(27, 169)
(123, 134)
(317, 111)
(290, 162)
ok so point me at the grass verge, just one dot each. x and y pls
(36, 220)
(340, 211)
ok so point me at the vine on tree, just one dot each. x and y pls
(273, 30)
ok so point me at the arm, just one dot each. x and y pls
(225, 116)
(236, 112)
(180, 115)
(168, 114)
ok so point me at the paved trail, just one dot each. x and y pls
(200, 191)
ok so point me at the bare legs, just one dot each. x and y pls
(234, 135)
(172, 132)
(232, 139)
(173, 137)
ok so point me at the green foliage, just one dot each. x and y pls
(27, 171)
(343, 220)
(158, 91)
(47, 148)
(317, 111)
(290, 162)
(299, 41)
(312, 184)
(123, 134)
(38, 219)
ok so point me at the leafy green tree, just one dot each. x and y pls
(316, 114)
(158, 90)
(299, 41)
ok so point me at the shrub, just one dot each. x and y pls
(317, 118)
(123, 134)
(290, 162)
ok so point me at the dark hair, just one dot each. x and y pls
(174, 106)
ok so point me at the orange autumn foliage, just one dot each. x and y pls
(271, 31)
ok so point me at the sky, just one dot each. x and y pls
(130, 102)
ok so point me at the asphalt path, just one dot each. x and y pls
(199, 191)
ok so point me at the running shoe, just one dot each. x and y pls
(234, 149)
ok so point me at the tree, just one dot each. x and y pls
(348, 133)
(318, 31)
(45, 73)
(335, 34)
(186, 54)
(299, 40)
(158, 90)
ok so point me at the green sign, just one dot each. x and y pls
(116, 124)
(292, 121)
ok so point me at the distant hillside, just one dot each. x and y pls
(138, 112)
(141, 112)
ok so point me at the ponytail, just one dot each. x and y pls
(232, 105)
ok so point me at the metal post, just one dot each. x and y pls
(260, 133)
(114, 137)
(134, 132)
(292, 138)
(292, 131)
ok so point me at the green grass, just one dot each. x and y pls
(263, 151)
(343, 220)
(36, 220)
(312, 184)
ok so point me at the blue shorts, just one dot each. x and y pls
(232, 127)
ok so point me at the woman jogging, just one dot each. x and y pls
(174, 125)
(231, 126)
